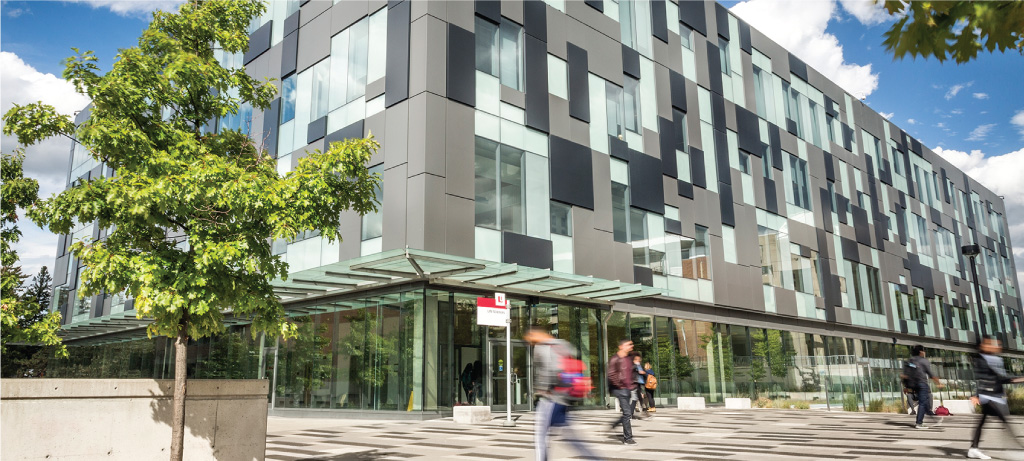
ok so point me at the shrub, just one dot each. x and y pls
(850, 403)
(763, 402)
(1015, 399)
(874, 406)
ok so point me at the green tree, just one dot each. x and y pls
(308, 363)
(191, 213)
(38, 292)
(957, 30)
(23, 319)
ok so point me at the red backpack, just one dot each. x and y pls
(573, 380)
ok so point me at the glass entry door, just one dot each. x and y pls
(522, 397)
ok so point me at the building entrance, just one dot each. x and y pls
(522, 394)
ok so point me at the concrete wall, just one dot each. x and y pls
(130, 419)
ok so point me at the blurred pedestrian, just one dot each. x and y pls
(620, 374)
(650, 386)
(917, 371)
(552, 407)
(990, 376)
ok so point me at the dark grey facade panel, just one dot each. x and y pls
(396, 78)
(726, 205)
(722, 20)
(692, 14)
(537, 113)
(659, 23)
(489, 9)
(673, 227)
(646, 188)
(618, 148)
(722, 157)
(461, 84)
(291, 24)
(697, 168)
(797, 67)
(526, 251)
(830, 167)
(685, 189)
(714, 69)
(572, 172)
(535, 21)
(289, 54)
(352, 131)
(860, 225)
(630, 61)
(643, 276)
(718, 112)
(747, 131)
(259, 42)
(579, 86)
(271, 123)
(744, 36)
(667, 147)
(776, 146)
(678, 90)
(596, 4)
(316, 129)
(771, 203)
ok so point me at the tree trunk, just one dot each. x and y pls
(180, 369)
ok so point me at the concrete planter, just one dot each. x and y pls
(471, 414)
(130, 419)
(690, 403)
(739, 403)
(957, 407)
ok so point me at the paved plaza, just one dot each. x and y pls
(672, 434)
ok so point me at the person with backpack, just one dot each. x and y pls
(917, 371)
(650, 386)
(990, 376)
(558, 379)
(621, 384)
(639, 396)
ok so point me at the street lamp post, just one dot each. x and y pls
(972, 251)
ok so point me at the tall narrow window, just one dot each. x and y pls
(615, 111)
(798, 171)
(373, 223)
(320, 95)
(288, 99)
(620, 200)
(561, 219)
(702, 253)
(723, 55)
(631, 103)
(486, 46)
(499, 187)
(499, 51)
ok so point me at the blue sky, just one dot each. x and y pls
(964, 112)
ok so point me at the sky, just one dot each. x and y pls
(971, 114)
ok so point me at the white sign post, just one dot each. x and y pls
(496, 312)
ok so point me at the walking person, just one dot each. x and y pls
(990, 376)
(917, 371)
(650, 386)
(639, 395)
(620, 373)
(552, 406)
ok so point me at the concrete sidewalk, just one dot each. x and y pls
(672, 434)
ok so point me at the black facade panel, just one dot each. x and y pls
(271, 122)
(826, 210)
(289, 53)
(630, 62)
(673, 227)
(775, 137)
(830, 167)
(900, 227)
(461, 85)
(722, 157)
(718, 112)
(659, 24)
(725, 202)
(861, 225)
(697, 169)
(831, 108)
(316, 129)
(847, 137)
(537, 84)
(748, 131)
(526, 251)
(535, 20)
(579, 88)
(744, 36)
(714, 69)
(885, 172)
(667, 147)
(692, 14)
(771, 202)
(916, 146)
(352, 131)
(936, 216)
(678, 86)
(259, 42)
(850, 250)
(396, 79)
(596, 4)
(489, 9)
(791, 127)
(842, 203)
(643, 276)
(618, 148)
(945, 185)
(722, 20)
(572, 164)
(646, 188)
(685, 189)
(798, 67)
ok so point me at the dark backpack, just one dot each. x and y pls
(910, 371)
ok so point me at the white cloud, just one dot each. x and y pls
(911, 121)
(981, 132)
(980, 95)
(1001, 174)
(868, 12)
(955, 89)
(956, 111)
(17, 12)
(134, 7)
(46, 161)
(887, 115)
(809, 41)
(1018, 121)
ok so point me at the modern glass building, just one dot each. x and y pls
(656, 170)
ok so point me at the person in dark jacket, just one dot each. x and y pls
(917, 371)
(639, 396)
(990, 376)
(620, 374)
